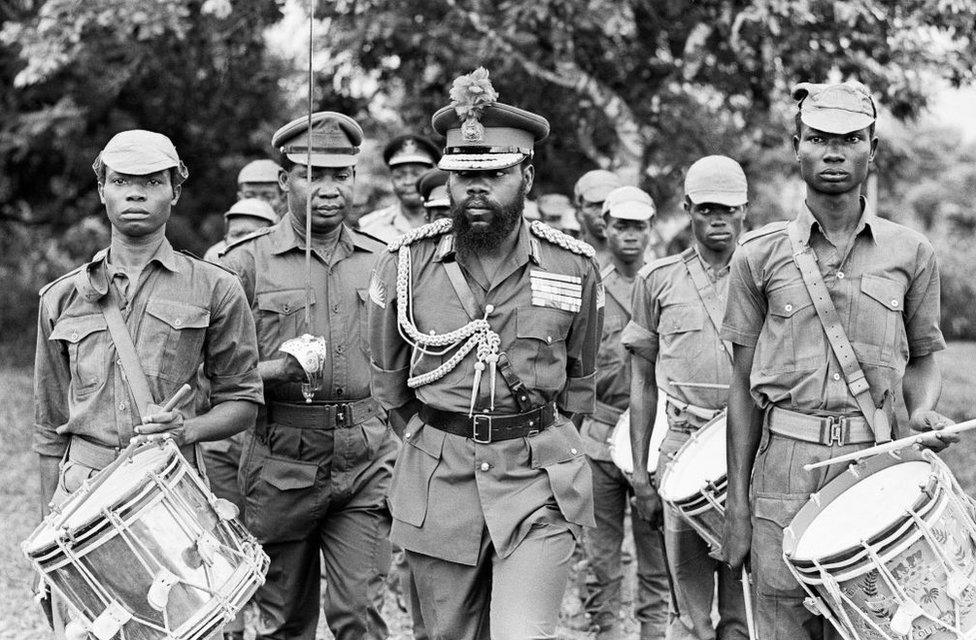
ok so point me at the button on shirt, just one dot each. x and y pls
(182, 312)
(271, 266)
(670, 327)
(887, 300)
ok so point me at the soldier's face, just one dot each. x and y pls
(487, 205)
(590, 216)
(716, 226)
(138, 205)
(331, 189)
(436, 213)
(834, 163)
(405, 178)
(270, 192)
(627, 239)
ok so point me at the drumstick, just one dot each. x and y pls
(747, 597)
(182, 395)
(894, 445)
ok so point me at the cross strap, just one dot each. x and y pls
(714, 309)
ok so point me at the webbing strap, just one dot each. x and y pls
(806, 262)
(514, 383)
(462, 289)
(714, 309)
(129, 359)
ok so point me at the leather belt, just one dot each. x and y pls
(98, 456)
(826, 430)
(606, 413)
(687, 407)
(321, 415)
(485, 428)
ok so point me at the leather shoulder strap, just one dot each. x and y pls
(462, 289)
(134, 375)
(706, 293)
(834, 330)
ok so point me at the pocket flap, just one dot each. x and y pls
(548, 325)
(283, 302)
(430, 441)
(888, 292)
(778, 510)
(75, 329)
(559, 443)
(285, 474)
(787, 301)
(681, 317)
(179, 315)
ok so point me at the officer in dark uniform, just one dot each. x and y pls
(315, 475)
(483, 333)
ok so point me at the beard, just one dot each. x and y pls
(506, 217)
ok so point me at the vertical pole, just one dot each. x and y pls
(308, 179)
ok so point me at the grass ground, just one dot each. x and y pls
(20, 619)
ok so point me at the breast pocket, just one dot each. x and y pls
(171, 339)
(86, 339)
(280, 316)
(878, 323)
(540, 351)
(680, 329)
(794, 338)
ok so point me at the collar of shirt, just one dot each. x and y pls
(808, 222)
(526, 248)
(284, 238)
(92, 281)
(713, 274)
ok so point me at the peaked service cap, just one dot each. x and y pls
(433, 188)
(717, 179)
(410, 148)
(335, 140)
(139, 152)
(593, 186)
(835, 108)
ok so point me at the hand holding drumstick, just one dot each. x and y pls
(168, 422)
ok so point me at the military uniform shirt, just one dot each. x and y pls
(181, 312)
(671, 328)
(885, 288)
(387, 223)
(271, 265)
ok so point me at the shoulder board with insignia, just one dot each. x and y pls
(216, 264)
(435, 228)
(257, 233)
(764, 230)
(70, 274)
(561, 239)
(660, 263)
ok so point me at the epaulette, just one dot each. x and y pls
(435, 228)
(216, 264)
(560, 239)
(660, 263)
(368, 235)
(257, 233)
(70, 274)
(764, 230)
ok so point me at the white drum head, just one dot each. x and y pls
(621, 452)
(863, 510)
(701, 460)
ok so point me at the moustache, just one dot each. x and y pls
(481, 203)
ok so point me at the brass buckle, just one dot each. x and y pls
(477, 434)
(835, 431)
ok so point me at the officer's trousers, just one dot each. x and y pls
(513, 598)
(309, 491)
(611, 490)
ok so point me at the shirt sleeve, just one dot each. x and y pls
(922, 306)
(582, 345)
(389, 353)
(231, 350)
(640, 336)
(745, 311)
(237, 260)
(52, 376)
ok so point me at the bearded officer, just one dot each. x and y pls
(483, 333)
(679, 358)
(316, 474)
(408, 157)
(791, 402)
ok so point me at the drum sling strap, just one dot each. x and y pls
(806, 262)
(706, 293)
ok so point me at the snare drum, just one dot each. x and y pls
(694, 482)
(621, 452)
(886, 551)
(144, 551)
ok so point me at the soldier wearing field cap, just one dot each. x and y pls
(553, 207)
(483, 335)
(408, 157)
(259, 179)
(179, 311)
(433, 189)
(316, 473)
(589, 192)
(244, 217)
(791, 401)
(628, 212)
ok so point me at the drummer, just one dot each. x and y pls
(627, 212)
(797, 407)
(679, 358)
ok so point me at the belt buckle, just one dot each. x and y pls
(835, 431)
(477, 420)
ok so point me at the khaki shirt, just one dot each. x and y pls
(447, 488)
(271, 265)
(671, 328)
(885, 289)
(182, 312)
(387, 223)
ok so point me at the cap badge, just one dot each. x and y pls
(470, 94)
(409, 147)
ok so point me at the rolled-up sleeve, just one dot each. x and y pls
(390, 354)
(231, 351)
(640, 336)
(52, 376)
(745, 311)
(922, 304)
(582, 346)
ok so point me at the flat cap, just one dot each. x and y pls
(593, 186)
(629, 203)
(554, 205)
(335, 140)
(139, 152)
(482, 133)
(717, 179)
(433, 188)
(410, 148)
(835, 108)
(253, 207)
(259, 171)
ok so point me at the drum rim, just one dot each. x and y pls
(669, 467)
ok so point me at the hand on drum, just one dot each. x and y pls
(737, 540)
(165, 424)
(933, 421)
(648, 503)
